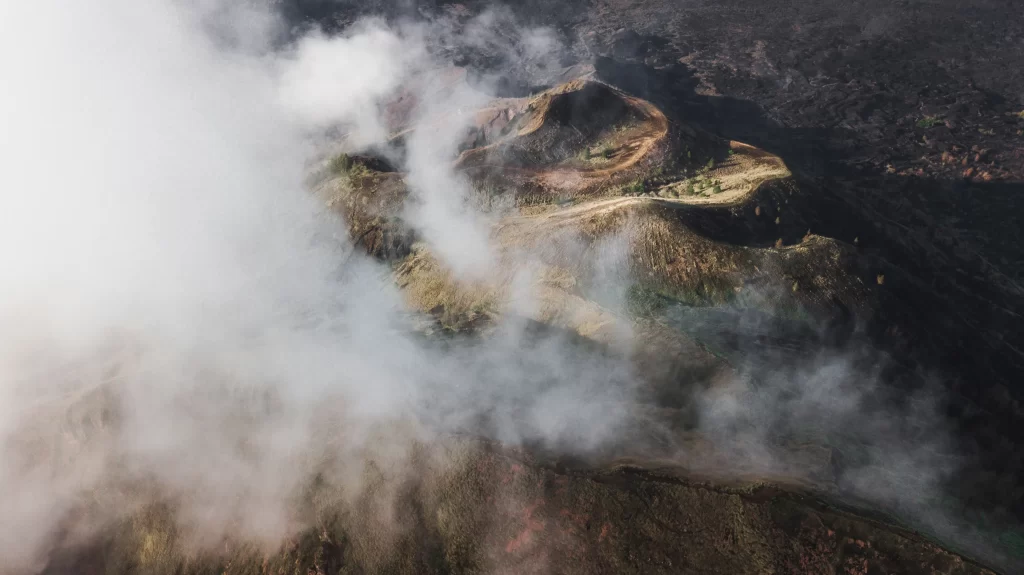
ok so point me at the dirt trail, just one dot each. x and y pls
(747, 169)
(652, 131)
(734, 180)
(655, 130)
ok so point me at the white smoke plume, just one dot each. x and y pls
(180, 319)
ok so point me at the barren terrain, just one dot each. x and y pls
(777, 183)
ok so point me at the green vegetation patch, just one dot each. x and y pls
(343, 164)
(636, 187)
(650, 302)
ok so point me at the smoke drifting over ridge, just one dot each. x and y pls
(180, 319)
(178, 313)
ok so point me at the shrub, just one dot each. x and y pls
(345, 165)
(358, 170)
(928, 122)
(340, 164)
(711, 164)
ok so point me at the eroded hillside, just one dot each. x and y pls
(583, 174)
(601, 286)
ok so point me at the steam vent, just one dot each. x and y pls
(319, 287)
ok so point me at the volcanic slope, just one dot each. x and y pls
(661, 219)
(488, 510)
(695, 211)
(609, 221)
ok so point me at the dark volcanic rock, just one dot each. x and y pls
(901, 121)
(487, 510)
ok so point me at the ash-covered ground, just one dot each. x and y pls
(903, 123)
(627, 286)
